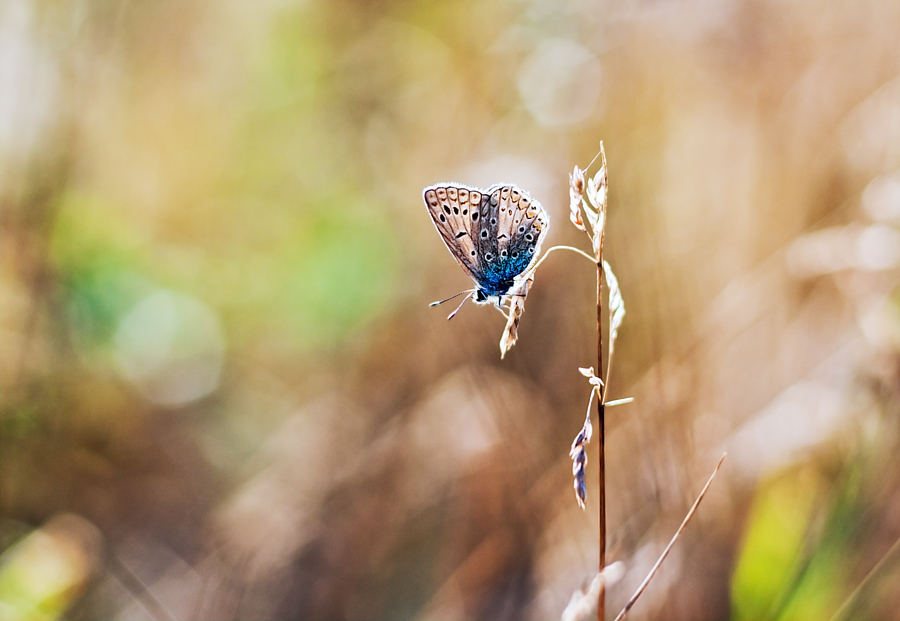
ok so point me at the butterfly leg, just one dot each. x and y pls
(498, 304)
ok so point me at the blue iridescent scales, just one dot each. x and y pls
(495, 235)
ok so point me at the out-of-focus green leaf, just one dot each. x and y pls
(44, 573)
(96, 255)
(772, 544)
(341, 272)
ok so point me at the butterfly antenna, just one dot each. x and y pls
(455, 295)
(451, 315)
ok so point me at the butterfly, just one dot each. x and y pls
(495, 235)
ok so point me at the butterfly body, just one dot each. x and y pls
(494, 234)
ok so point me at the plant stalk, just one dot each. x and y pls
(601, 432)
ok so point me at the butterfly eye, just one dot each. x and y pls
(515, 255)
(521, 229)
(456, 210)
(465, 212)
(447, 209)
(503, 253)
(529, 237)
(443, 219)
(472, 253)
(474, 216)
(488, 257)
(493, 221)
(484, 233)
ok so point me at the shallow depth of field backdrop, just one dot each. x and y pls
(224, 395)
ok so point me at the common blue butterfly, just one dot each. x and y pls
(495, 235)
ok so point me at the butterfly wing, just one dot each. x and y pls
(521, 223)
(455, 210)
(521, 220)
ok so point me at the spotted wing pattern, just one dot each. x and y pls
(515, 226)
(455, 210)
(494, 234)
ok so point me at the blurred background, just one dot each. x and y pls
(224, 395)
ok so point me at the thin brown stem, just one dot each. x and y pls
(665, 553)
(850, 602)
(601, 406)
(601, 433)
